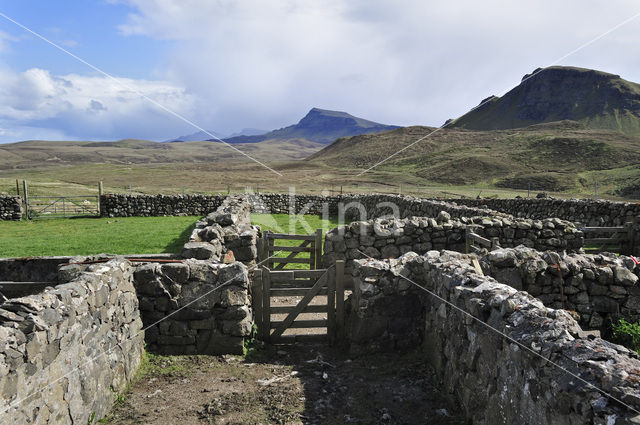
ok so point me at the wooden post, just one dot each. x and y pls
(318, 251)
(257, 300)
(340, 331)
(25, 197)
(17, 188)
(266, 304)
(628, 246)
(260, 250)
(100, 193)
(634, 247)
(331, 307)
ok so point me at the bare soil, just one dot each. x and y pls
(302, 384)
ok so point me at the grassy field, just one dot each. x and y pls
(564, 159)
(131, 235)
(298, 224)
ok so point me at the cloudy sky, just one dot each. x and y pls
(226, 65)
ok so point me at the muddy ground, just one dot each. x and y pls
(303, 384)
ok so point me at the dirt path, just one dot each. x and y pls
(285, 385)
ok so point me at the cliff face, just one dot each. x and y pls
(594, 98)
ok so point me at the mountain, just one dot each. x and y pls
(248, 132)
(198, 136)
(594, 98)
(319, 125)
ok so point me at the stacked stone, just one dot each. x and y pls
(585, 211)
(87, 330)
(598, 288)
(116, 205)
(496, 380)
(226, 229)
(390, 238)
(212, 303)
(375, 205)
(10, 207)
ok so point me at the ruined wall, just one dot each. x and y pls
(227, 229)
(598, 288)
(116, 205)
(206, 305)
(585, 211)
(497, 380)
(64, 350)
(10, 207)
(389, 238)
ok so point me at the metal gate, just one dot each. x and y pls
(62, 206)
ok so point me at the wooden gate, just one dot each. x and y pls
(476, 243)
(310, 285)
(297, 246)
(618, 239)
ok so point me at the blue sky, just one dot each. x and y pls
(226, 65)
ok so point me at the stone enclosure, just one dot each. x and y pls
(487, 328)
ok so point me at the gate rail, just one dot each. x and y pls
(62, 206)
(308, 284)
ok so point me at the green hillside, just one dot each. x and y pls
(563, 156)
(594, 98)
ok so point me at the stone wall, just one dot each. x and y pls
(598, 289)
(585, 211)
(206, 305)
(115, 205)
(497, 380)
(65, 351)
(360, 207)
(390, 238)
(227, 229)
(10, 207)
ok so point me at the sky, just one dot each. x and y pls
(226, 65)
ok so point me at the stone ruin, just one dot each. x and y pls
(488, 328)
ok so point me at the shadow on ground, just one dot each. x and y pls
(310, 384)
(176, 244)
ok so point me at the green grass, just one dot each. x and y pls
(85, 236)
(296, 224)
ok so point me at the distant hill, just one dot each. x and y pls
(594, 98)
(321, 126)
(199, 136)
(558, 156)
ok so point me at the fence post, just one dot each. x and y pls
(17, 188)
(100, 192)
(466, 240)
(26, 197)
(630, 237)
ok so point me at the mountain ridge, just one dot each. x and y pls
(597, 99)
(321, 126)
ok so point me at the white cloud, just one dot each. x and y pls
(263, 64)
(91, 106)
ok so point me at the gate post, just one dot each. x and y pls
(331, 307)
(340, 331)
(318, 250)
(256, 299)
(266, 304)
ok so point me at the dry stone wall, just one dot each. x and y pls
(10, 207)
(206, 305)
(65, 351)
(598, 289)
(390, 238)
(585, 211)
(116, 205)
(497, 380)
(227, 229)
